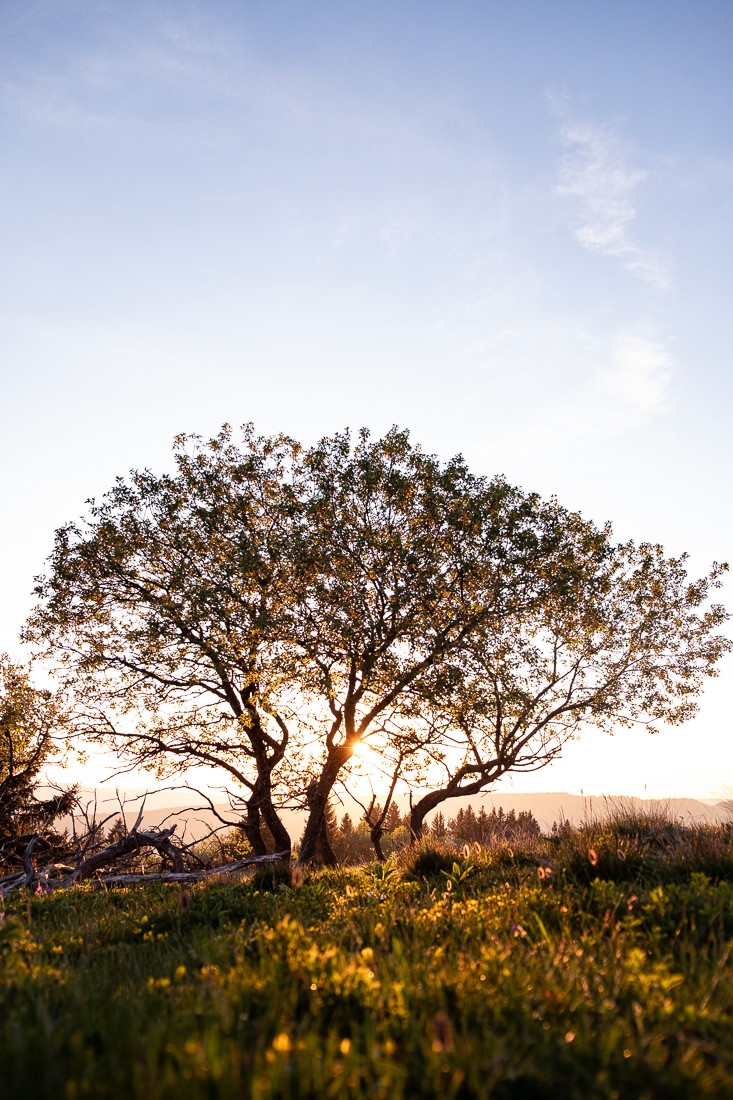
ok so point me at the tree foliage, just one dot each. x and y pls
(265, 608)
(29, 719)
(626, 644)
(165, 608)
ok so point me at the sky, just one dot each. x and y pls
(505, 226)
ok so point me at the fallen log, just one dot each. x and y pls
(126, 846)
(89, 870)
(183, 876)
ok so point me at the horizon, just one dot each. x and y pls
(547, 807)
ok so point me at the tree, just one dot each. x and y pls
(165, 611)
(29, 719)
(629, 644)
(438, 827)
(265, 608)
(352, 843)
(262, 600)
(393, 819)
(399, 561)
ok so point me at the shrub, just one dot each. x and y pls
(270, 877)
(427, 860)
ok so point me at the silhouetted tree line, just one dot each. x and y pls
(352, 842)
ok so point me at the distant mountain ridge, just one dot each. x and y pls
(546, 807)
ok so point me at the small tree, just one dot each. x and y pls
(438, 827)
(393, 819)
(29, 719)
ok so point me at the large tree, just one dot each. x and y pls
(265, 609)
(400, 562)
(472, 629)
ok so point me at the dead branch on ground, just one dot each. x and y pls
(61, 876)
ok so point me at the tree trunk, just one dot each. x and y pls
(280, 834)
(252, 827)
(315, 846)
(429, 801)
(420, 811)
(325, 855)
(260, 811)
(376, 835)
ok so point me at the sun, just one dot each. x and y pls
(368, 765)
(364, 752)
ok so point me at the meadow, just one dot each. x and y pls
(593, 963)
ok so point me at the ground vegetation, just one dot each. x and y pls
(593, 962)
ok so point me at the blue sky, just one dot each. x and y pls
(506, 226)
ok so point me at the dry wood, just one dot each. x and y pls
(187, 876)
(89, 869)
(133, 842)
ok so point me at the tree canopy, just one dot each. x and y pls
(265, 608)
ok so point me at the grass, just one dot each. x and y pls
(594, 964)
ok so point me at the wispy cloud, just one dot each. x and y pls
(638, 379)
(598, 171)
(611, 389)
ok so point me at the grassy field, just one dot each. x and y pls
(596, 963)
